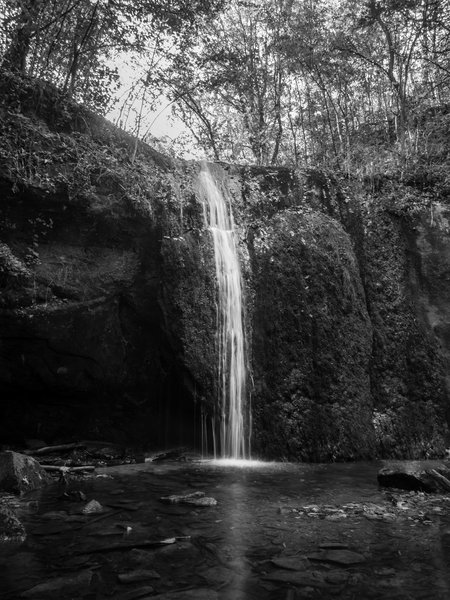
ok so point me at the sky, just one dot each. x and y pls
(159, 122)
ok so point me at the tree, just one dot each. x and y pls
(22, 33)
(74, 42)
(232, 80)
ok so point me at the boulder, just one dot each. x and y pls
(92, 507)
(415, 478)
(311, 342)
(20, 474)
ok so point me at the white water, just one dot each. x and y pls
(218, 219)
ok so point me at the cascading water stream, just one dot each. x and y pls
(218, 219)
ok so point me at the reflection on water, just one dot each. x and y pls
(242, 463)
(271, 536)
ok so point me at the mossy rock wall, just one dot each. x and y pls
(108, 296)
(107, 291)
(407, 261)
(311, 341)
(338, 374)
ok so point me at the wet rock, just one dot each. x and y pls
(76, 519)
(292, 563)
(174, 454)
(58, 587)
(216, 576)
(408, 477)
(340, 557)
(336, 577)
(137, 594)
(92, 507)
(138, 576)
(108, 532)
(140, 557)
(50, 528)
(385, 572)
(312, 578)
(194, 499)
(20, 473)
(196, 594)
(11, 529)
(177, 551)
(54, 515)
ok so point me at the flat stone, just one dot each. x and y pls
(138, 576)
(58, 587)
(205, 501)
(385, 571)
(197, 594)
(179, 550)
(137, 594)
(194, 499)
(50, 528)
(178, 498)
(304, 579)
(340, 557)
(216, 575)
(54, 515)
(20, 473)
(292, 563)
(140, 557)
(336, 577)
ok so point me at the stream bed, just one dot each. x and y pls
(278, 531)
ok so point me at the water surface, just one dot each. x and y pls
(264, 515)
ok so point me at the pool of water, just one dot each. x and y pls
(278, 531)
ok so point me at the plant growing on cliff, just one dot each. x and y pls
(10, 265)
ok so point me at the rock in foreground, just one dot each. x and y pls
(20, 474)
(195, 499)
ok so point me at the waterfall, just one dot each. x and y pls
(218, 219)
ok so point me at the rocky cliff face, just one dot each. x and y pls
(349, 317)
(98, 286)
(108, 318)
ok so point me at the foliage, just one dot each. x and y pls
(52, 146)
(347, 85)
(344, 84)
(74, 43)
(10, 265)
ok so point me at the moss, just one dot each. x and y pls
(409, 430)
(407, 366)
(311, 341)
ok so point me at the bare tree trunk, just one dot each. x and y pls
(15, 57)
(70, 82)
